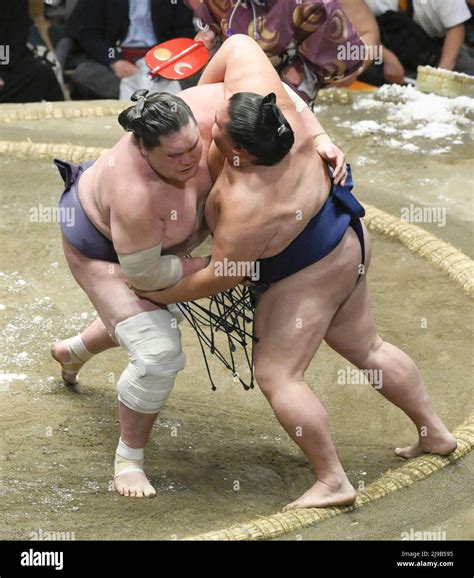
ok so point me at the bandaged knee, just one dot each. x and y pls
(176, 312)
(153, 342)
(149, 270)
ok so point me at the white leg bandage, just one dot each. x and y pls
(128, 459)
(78, 356)
(153, 342)
(176, 312)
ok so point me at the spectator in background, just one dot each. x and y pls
(420, 32)
(366, 27)
(117, 34)
(300, 39)
(23, 78)
(70, 40)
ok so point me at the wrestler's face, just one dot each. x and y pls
(178, 155)
(223, 141)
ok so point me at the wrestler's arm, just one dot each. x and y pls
(326, 149)
(135, 221)
(238, 238)
(244, 67)
(136, 226)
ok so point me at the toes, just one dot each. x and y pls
(133, 486)
(69, 378)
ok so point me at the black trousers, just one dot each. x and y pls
(31, 80)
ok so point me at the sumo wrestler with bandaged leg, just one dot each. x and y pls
(142, 199)
(136, 203)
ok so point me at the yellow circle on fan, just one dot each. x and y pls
(162, 54)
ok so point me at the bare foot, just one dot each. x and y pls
(322, 495)
(60, 353)
(134, 485)
(441, 444)
(130, 479)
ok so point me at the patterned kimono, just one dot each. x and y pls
(305, 33)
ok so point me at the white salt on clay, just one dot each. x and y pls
(413, 114)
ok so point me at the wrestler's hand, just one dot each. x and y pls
(150, 295)
(194, 264)
(335, 158)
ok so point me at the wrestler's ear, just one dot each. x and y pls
(240, 151)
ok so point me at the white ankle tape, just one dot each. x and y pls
(129, 453)
(77, 350)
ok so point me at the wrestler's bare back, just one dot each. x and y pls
(122, 178)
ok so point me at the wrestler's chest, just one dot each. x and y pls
(182, 215)
(212, 206)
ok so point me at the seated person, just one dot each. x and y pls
(418, 33)
(301, 40)
(116, 35)
(23, 77)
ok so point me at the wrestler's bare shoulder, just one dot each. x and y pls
(204, 101)
(124, 174)
(120, 181)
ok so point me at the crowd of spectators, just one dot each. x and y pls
(88, 49)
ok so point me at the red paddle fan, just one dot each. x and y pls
(176, 59)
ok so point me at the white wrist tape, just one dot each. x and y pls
(299, 103)
(148, 270)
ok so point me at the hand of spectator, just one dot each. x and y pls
(292, 75)
(2, 83)
(208, 37)
(347, 80)
(123, 68)
(334, 157)
(392, 68)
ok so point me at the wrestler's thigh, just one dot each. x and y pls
(105, 285)
(289, 335)
(293, 316)
(290, 322)
(352, 332)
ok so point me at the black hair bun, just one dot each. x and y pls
(138, 94)
(270, 99)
